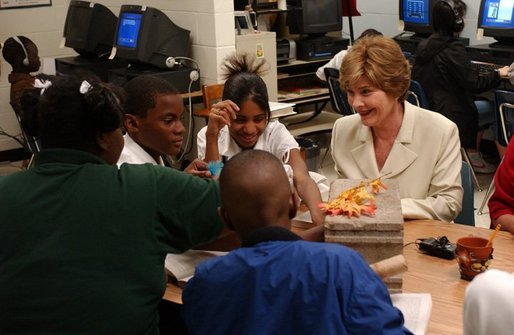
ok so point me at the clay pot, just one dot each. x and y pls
(473, 256)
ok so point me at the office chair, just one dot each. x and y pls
(467, 214)
(504, 103)
(212, 94)
(31, 143)
(417, 96)
(338, 98)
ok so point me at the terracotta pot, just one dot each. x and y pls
(473, 256)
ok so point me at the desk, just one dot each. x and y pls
(437, 276)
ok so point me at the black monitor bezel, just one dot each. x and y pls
(496, 32)
(418, 29)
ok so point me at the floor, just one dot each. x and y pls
(327, 169)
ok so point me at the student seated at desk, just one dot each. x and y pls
(241, 121)
(393, 139)
(22, 54)
(153, 121)
(83, 242)
(277, 283)
(443, 67)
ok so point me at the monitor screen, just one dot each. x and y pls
(128, 32)
(89, 28)
(415, 15)
(315, 18)
(496, 18)
(147, 36)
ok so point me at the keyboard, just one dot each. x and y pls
(483, 67)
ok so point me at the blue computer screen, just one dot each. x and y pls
(416, 11)
(498, 14)
(128, 29)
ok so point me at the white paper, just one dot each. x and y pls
(416, 309)
(182, 266)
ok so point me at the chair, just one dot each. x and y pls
(467, 214)
(337, 96)
(504, 103)
(31, 143)
(212, 94)
(417, 96)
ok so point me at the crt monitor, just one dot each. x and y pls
(315, 18)
(416, 16)
(145, 35)
(496, 17)
(89, 28)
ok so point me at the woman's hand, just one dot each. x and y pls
(503, 71)
(220, 115)
(198, 168)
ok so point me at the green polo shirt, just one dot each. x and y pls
(82, 244)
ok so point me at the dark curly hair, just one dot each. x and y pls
(243, 73)
(141, 92)
(62, 117)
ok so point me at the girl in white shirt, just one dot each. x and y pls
(241, 121)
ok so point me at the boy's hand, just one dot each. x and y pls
(220, 116)
(198, 168)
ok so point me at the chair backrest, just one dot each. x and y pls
(504, 101)
(417, 96)
(337, 96)
(467, 215)
(212, 94)
(32, 143)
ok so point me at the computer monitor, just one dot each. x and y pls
(315, 18)
(145, 35)
(416, 16)
(496, 17)
(89, 28)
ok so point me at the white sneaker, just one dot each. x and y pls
(479, 164)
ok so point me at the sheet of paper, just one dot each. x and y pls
(416, 309)
(182, 266)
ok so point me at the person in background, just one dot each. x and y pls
(501, 204)
(388, 136)
(83, 242)
(241, 121)
(488, 304)
(336, 61)
(153, 120)
(22, 54)
(443, 67)
(277, 283)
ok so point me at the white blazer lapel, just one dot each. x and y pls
(364, 154)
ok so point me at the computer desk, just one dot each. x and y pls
(439, 277)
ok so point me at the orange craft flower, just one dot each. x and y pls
(355, 201)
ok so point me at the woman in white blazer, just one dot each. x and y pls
(389, 137)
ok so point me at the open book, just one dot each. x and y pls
(416, 309)
(182, 266)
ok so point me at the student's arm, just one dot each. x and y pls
(314, 234)
(305, 186)
(501, 204)
(506, 221)
(220, 116)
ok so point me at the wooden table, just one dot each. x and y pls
(439, 277)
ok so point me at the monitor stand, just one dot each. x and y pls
(81, 65)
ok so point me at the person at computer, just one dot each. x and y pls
(83, 241)
(501, 204)
(390, 138)
(444, 69)
(277, 283)
(22, 54)
(336, 61)
(153, 120)
(241, 121)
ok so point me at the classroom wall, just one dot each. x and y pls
(210, 23)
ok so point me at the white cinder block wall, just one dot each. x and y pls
(210, 23)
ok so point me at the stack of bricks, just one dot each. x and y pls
(375, 238)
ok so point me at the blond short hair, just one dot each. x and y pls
(379, 59)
